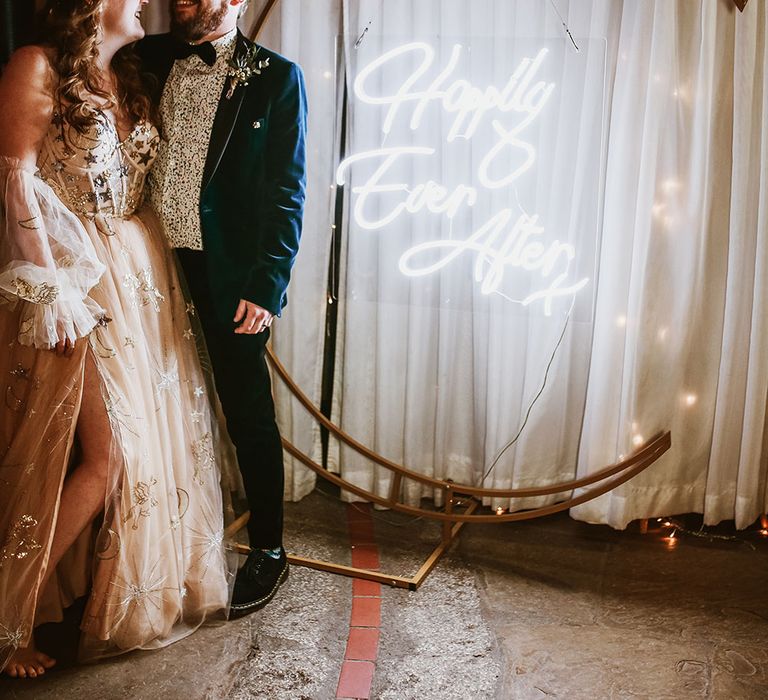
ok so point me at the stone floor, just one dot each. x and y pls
(544, 609)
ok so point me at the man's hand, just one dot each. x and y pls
(254, 318)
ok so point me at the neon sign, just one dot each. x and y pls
(508, 241)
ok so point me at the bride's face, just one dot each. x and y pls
(121, 20)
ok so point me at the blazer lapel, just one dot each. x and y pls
(224, 122)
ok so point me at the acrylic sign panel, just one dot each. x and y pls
(476, 160)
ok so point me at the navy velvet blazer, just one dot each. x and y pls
(253, 189)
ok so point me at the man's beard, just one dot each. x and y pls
(204, 21)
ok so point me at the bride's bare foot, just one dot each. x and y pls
(28, 662)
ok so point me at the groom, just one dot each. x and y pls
(228, 185)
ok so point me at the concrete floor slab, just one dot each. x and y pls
(545, 609)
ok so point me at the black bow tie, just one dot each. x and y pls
(205, 50)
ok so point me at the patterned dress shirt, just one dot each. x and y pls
(188, 107)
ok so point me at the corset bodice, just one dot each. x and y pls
(96, 173)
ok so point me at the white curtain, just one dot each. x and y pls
(668, 333)
(441, 378)
(686, 196)
(438, 374)
(306, 32)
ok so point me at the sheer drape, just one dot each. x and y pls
(437, 374)
(685, 202)
(306, 33)
(675, 336)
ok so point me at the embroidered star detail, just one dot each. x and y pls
(20, 372)
(198, 391)
(196, 416)
(167, 379)
(129, 342)
(11, 638)
(191, 309)
(188, 334)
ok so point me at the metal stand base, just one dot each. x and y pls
(450, 533)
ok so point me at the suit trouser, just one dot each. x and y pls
(245, 391)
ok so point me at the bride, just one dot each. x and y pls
(109, 448)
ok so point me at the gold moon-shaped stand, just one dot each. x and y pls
(462, 502)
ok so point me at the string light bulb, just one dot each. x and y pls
(500, 510)
(678, 528)
(691, 399)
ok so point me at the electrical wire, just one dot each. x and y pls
(703, 534)
(533, 402)
(565, 26)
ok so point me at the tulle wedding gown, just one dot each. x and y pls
(81, 255)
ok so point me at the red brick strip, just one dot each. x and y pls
(359, 663)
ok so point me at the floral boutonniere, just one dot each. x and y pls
(243, 67)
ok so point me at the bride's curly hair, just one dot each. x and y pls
(71, 28)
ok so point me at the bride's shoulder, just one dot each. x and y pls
(34, 58)
(30, 67)
(26, 101)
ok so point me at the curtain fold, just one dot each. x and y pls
(306, 32)
(437, 374)
(736, 482)
(695, 360)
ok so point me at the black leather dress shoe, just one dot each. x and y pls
(257, 581)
